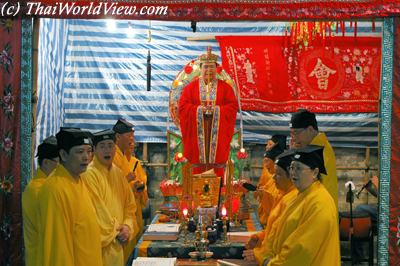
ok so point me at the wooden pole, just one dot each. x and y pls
(145, 153)
(202, 38)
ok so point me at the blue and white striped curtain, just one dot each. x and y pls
(53, 36)
(94, 71)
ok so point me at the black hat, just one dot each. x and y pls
(48, 148)
(312, 156)
(284, 160)
(273, 152)
(279, 140)
(302, 119)
(107, 134)
(122, 126)
(70, 137)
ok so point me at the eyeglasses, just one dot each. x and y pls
(296, 168)
(297, 131)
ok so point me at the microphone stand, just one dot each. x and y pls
(363, 187)
(350, 200)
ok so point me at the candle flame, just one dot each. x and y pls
(223, 212)
(185, 212)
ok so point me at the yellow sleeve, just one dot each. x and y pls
(107, 223)
(141, 175)
(30, 224)
(55, 234)
(302, 244)
(130, 209)
(269, 199)
(330, 181)
(121, 162)
(265, 176)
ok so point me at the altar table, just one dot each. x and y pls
(178, 249)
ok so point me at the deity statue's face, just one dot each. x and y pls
(208, 71)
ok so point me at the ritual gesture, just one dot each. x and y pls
(130, 176)
(137, 186)
(124, 233)
(253, 242)
(249, 257)
(207, 108)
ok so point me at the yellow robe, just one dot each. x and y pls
(115, 205)
(69, 233)
(270, 196)
(307, 233)
(330, 180)
(276, 213)
(31, 216)
(126, 167)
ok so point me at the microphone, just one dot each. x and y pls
(350, 195)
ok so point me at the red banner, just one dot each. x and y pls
(10, 174)
(271, 76)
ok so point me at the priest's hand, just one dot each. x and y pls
(137, 186)
(253, 241)
(131, 176)
(248, 255)
(124, 233)
(207, 110)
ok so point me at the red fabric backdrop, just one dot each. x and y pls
(394, 234)
(342, 76)
(10, 180)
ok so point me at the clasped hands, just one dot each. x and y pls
(207, 109)
(248, 253)
(123, 233)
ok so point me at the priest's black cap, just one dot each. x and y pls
(107, 134)
(70, 137)
(48, 149)
(302, 119)
(122, 126)
(279, 140)
(312, 156)
(273, 152)
(284, 160)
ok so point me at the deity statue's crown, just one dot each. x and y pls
(208, 57)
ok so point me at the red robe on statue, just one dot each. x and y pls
(221, 123)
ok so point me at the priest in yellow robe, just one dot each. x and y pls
(47, 160)
(133, 171)
(112, 198)
(304, 131)
(269, 195)
(307, 232)
(69, 233)
(283, 182)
